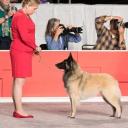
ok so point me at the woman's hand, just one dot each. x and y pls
(59, 30)
(37, 50)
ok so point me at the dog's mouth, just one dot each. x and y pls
(56, 65)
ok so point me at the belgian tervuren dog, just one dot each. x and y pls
(80, 84)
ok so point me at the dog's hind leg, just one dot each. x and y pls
(114, 109)
(114, 101)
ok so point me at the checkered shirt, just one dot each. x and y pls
(105, 39)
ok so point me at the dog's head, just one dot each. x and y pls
(67, 64)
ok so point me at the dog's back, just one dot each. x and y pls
(96, 83)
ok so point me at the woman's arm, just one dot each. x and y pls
(73, 37)
(27, 37)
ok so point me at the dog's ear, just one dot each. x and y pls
(70, 56)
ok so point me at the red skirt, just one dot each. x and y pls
(21, 63)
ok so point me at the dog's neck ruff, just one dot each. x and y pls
(77, 77)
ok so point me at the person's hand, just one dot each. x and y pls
(59, 30)
(11, 13)
(118, 18)
(37, 50)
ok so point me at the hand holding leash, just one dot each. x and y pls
(37, 50)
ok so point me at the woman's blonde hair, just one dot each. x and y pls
(30, 2)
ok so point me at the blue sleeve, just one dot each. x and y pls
(51, 43)
(73, 37)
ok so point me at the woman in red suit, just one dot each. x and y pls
(22, 48)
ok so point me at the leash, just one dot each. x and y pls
(40, 58)
(39, 55)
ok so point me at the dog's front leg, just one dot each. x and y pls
(73, 102)
(71, 111)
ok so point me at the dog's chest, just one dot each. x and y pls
(72, 80)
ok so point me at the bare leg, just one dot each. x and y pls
(17, 95)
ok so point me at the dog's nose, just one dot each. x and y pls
(56, 65)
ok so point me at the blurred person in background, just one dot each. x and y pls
(110, 39)
(6, 13)
(57, 35)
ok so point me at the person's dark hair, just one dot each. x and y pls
(50, 25)
(114, 24)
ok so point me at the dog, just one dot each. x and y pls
(82, 85)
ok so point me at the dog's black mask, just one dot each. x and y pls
(67, 64)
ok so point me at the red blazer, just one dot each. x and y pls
(23, 32)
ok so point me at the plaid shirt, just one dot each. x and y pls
(105, 39)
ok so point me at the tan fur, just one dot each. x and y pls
(81, 85)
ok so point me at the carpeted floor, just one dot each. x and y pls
(54, 115)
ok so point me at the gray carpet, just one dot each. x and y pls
(54, 115)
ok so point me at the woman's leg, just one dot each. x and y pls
(17, 95)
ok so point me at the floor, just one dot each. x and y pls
(54, 115)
